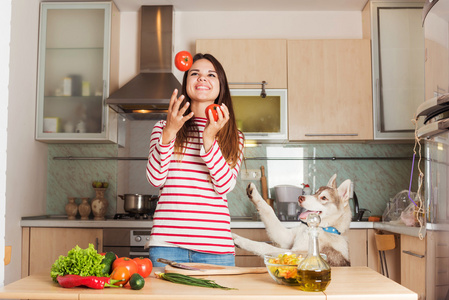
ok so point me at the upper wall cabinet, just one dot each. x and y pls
(78, 68)
(250, 61)
(398, 65)
(329, 90)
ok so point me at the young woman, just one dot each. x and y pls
(195, 161)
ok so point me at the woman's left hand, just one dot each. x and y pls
(213, 127)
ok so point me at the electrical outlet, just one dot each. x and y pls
(250, 174)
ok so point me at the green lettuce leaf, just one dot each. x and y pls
(84, 262)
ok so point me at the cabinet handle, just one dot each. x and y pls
(96, 243)
(331, 134)
(105, 107)
(378, 106)
(412, 254)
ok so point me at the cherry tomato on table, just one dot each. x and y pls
(213, 108)
(144, 266)
(127, 262)
(183, 60)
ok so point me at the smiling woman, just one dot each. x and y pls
(196, 160)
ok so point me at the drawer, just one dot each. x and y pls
(441, 292)
(249, 261)
(442, 244)
(442, 270)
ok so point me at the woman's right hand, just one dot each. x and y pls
(175, 117)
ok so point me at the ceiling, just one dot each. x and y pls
(246, 5)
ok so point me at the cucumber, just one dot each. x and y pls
(107, 261)
(136, 282)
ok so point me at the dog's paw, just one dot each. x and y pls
(253, 194)
(249, 190)
(237, 239)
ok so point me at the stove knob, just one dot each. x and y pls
(138, 238)
(147, 238)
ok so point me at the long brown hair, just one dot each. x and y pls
(228, 136)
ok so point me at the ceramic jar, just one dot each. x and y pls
(99, 204)
(84, 209)
(71, 208)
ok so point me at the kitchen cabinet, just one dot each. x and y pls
(329, 90)
(42, 246)
(250, 61)
(437, 264)
(77, 69)
(245, 258)
(358, 247)
(397, 36)
(413, 264)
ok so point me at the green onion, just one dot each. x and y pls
(189, 280)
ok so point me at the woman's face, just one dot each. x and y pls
(202, 82)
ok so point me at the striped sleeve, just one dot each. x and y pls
(223, 177)
(159, 156)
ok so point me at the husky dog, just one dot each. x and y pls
(332, 205)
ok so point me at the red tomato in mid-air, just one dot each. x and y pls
(127, 262)
(183, 60)
(213, 109)
(144, 266)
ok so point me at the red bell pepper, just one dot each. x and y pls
(94, 282)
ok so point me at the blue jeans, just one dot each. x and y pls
(181, 255)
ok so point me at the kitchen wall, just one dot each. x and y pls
(26, 161)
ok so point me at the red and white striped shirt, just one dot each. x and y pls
(192, 211)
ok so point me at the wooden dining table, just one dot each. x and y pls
(346, 283)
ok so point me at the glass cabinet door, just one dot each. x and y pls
(73, 71)
(398, 68)
(261, 118)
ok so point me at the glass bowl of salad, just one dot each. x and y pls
(283, 267)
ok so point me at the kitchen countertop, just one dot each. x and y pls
(347, 282)
(62, 221)
(236, 223)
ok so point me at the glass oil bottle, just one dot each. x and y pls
(314, 273)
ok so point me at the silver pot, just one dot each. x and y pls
(139, 204)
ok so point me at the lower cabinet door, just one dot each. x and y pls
(47, 244)
(413, 264)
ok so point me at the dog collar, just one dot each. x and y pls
(331, 229)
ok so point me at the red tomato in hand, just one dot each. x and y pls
(183, 60)
(144, 266)
(120, 273)
(127, 262)
(213, 108)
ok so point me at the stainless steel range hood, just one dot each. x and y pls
(147, 95)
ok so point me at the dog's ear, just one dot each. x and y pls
(344, 191)
(333, 182)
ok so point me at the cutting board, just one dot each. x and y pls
(208, 269)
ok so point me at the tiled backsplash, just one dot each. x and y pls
(73, 178)
(379, 171)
